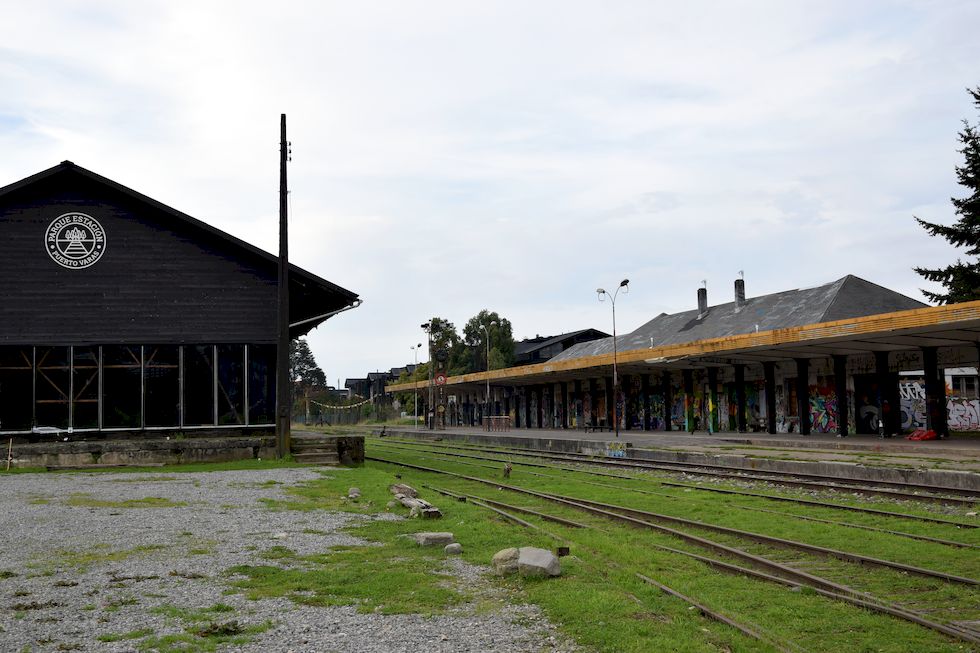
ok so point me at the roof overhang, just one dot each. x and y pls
(955, 325)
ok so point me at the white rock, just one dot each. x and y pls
(454, 549)
(434, 539)
(533, 561)
(505, 561)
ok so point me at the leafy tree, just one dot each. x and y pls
(501, 341)
(445, 337)
(961, 279)
(303, 370)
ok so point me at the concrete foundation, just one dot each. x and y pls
(143, 451)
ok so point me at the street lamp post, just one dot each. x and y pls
(429, 327)
(623, 285)
(486, 411)
(415, 377)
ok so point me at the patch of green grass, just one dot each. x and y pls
(23, 470)
(117, 602)
(88, 501)
(235, 465)
(83, 560)
(119, 637)
(6, 573)
(205, 630)
(600, 603)
(278, 553)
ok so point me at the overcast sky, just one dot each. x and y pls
(455, 156)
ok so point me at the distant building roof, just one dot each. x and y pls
(540, 342)
(845, 298)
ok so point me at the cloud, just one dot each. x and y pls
(454, 156)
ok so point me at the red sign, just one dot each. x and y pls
(440, 379)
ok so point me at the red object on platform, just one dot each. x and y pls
(922, 434)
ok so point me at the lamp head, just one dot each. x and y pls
(624, 283)
(602, 294)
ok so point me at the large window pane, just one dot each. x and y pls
(52, 387)
(85, 388)
(198, 385)
(16, 388)
(121, 387)
(161, 378)
(261, 384)
(231, 384)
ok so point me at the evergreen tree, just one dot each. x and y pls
(961, 279)
(303, 370)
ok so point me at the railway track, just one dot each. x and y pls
(675, 497)
(472, 454)
(905, 491)
(749, 564)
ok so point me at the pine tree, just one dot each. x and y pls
(962, 279)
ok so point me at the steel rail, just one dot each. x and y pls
(811, 502)
(912, 536)
(505, 506)
(789, 544)
(818, 585)
(808, 502)
(968, 496)
(702, 609)
(809, 579)
(712, 614)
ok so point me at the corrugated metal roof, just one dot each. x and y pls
(845, 298)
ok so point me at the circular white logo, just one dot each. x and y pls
(75, 240)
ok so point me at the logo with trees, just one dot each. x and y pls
(75, 240)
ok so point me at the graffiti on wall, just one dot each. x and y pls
(963, 413)
(657, 411)
(823, 406)
(912, 397)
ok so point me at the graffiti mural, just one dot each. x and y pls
(913, 405)
(657, 412)
(823, 406)
(636, 401)
(781, 426)
(677, 414)
(964, 414)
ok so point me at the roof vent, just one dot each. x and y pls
(703, 299)
(740, 290)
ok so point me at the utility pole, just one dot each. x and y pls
(283, 391)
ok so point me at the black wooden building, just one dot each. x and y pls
(122, 314)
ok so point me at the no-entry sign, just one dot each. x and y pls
(440, 379)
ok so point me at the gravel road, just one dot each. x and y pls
(72, 573)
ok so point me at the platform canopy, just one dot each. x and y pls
(849, 317)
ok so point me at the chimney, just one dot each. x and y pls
(739, 293)
(702, 300)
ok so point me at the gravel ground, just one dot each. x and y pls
(81, 572)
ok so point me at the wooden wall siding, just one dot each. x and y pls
(159, 280)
